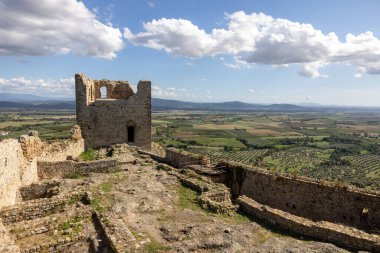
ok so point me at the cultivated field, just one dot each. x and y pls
(343, 147)
(50, 124)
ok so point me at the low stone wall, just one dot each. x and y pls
(326, 231)
(179, 158)
(312, 199)
(46, 224)
(58, 238)
(56, 170)
(39, 190)
(37, 208)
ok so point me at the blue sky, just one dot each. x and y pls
(294, 52)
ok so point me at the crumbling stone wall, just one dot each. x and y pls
(308, 198)
(37, 208)
(179, 158)
(345, 236)
(121, 117)
(31, 147)
(39, 190)
(18, 165)
(9, 171)
(18, 160)
(56, 170)
(301, 196)
(61, 150)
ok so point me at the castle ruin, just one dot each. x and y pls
(109, 112)
(54, 200)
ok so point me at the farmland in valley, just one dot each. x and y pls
(337, 146)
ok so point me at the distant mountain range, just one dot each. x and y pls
(32, 102)
(165, 104)
(16, 97)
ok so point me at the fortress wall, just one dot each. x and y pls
(344, 236)
(301, 196)
(10, 150)
(18, 166)
(308, 198)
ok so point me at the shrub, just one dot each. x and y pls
(88, 155)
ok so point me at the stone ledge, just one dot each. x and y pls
(345, 236)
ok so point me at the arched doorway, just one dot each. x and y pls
(131, 134)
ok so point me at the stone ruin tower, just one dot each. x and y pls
(109, 112)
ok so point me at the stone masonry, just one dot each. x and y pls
(19, 159)
(109, 112)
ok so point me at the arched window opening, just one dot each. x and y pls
(103, 92)
(131, 134)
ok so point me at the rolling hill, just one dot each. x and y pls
(32, 102)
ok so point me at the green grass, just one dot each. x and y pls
(88, 155)
(188, 198)
(102, 203)
(155, 246)
(97, 205)
(106, 187)
(73, 175)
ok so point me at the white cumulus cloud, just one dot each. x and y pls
(55, 27)
(160, 92)
(48, 87)
(261, 39)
